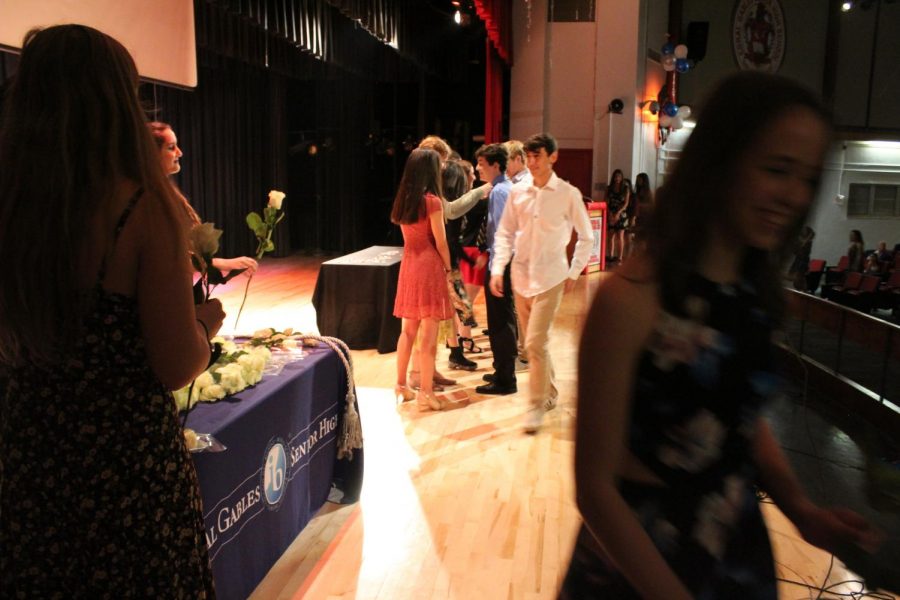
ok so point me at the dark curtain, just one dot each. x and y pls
(274, 74)
(333, 188)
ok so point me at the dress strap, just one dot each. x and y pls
(120, 225)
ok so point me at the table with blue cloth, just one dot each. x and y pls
(279, 468)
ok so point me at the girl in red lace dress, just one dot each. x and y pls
(422, 297)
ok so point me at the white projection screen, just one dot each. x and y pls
(159, 34)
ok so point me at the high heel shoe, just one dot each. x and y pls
(403, 393)
(428, 401)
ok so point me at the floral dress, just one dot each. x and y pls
(98, 493)
(701, 384)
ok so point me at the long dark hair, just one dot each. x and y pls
(72, 129)
(691, 202)
(421, 175)
(642, 187)
(454, 180)
(612, 181)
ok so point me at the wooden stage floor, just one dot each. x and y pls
(457, 504)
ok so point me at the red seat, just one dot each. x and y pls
(814, 274)
(893, 281)
(861, 298)
(889, 293)
(852, 279)
(833, 274)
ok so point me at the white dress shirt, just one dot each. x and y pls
(534, 231)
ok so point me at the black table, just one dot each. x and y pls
(354, 298)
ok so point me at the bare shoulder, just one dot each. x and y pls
(627, 301)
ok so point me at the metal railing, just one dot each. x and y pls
(859, 348)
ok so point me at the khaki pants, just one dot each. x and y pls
(536, 314)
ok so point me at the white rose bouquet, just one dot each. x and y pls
(263, 227)
(237, 368)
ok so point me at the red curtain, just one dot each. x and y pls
(497, 17)
(493, 96)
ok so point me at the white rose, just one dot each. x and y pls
(204, 239)
(212, 392)
(204, 380)
(246, 361)
(275, 199)
(263, 334)
(231, 378)
(252, 367)
(190, 438)
(181, 398)
(290, 343)
(261, 351)
(229, 347)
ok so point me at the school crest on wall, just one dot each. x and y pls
(758, 35)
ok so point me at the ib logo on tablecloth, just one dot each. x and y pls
(274, 476)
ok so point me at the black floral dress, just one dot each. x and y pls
(98, 493)
(702, 382)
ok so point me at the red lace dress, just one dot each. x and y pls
(422, 285)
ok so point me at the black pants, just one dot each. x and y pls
(501, 315)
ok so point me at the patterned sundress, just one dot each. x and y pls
(702, 382)
(98, 493)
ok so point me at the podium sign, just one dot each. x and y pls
(597, 215)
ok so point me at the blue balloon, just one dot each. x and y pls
(668, 48)
(670, 109)
(682, 65)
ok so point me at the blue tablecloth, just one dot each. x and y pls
(278, 468)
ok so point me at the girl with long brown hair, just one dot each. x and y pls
(422, 297)
(98, 492)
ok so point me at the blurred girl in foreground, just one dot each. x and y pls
(670, 441)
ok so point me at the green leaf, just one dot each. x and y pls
(254, 221)
(270, 245)
(269, 213)
(262, 231)
(216, 376)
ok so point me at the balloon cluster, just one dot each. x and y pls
(674, 116)
(674, 58)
